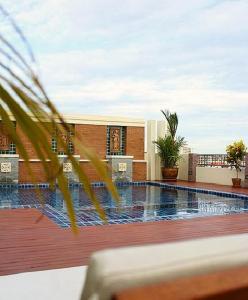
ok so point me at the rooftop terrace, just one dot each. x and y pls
(31, 243)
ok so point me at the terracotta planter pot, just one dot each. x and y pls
(236, 182)
(169, 174)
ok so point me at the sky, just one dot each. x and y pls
(135, 57)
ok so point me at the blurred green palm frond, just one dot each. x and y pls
(24, 99)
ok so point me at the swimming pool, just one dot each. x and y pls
(140, 202)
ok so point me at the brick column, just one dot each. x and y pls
(193, 160)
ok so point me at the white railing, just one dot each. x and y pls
(214, 160)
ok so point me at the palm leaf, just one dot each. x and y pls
(172, 121)
(169, 146)
(23, 96)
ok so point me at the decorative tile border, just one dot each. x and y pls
(134, 183)
(5, 167)
(32, 186)
(198, 190)
(46, 185)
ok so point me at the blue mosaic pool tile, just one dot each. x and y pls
(32, 186)
(4, 185)
(133, 208)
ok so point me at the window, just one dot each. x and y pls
(6, 145)
(11, 150)
(67, 137)
(116, 140)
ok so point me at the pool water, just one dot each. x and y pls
(138, 204)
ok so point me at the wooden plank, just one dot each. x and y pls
(29, 246)
(26, 245)
(212, 186)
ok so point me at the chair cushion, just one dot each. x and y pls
(221, 285)
(114, 270)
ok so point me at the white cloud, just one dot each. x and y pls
(136, 57)
(182, 94)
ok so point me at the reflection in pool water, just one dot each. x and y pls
(138, 204)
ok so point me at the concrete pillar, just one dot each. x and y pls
(121, 167)
(151, 136)
(69, 173)
(193, 160)
(9, 168)
(183, 167)
(246, 171)
(154, 129)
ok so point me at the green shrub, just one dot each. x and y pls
(169, 146)
(235, 155)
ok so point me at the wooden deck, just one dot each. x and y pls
(27, 245)
(212, 186)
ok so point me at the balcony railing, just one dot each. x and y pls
(214, 160)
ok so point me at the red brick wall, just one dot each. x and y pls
(92, 136)
(139, 171)
(39, 173)
(135, 142)
(24, 176)
(90, 171)
(27, 144)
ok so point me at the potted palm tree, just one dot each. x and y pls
(169, 148)
(235, 155)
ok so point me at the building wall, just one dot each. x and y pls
(139, 171)
(217, 175)
(92, 131)
(135, 142)
(27, 144)
(93, 137)
(38, 172)
(90, 171)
